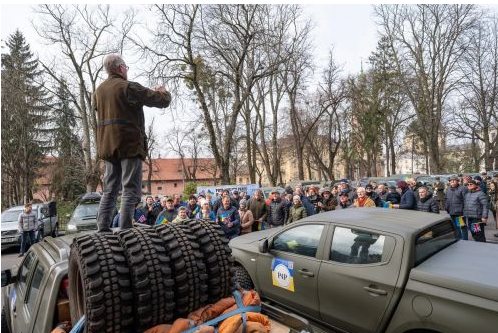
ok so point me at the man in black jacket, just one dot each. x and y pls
(454, 199)
(475, 209)
(278, 210)
(426, 201)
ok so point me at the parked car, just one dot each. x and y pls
(374, 270)
(267, 191)
(84, 216)
(9, 226)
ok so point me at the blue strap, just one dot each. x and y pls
(238, 300)
(216, 320)
(80, 325)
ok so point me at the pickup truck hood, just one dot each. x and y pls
(253, 236)
(465, 266)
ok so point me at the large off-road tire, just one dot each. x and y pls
(242, 278)
(5, 326)
(99, 284)
(150, 272)
(188, 269)
(217, 257)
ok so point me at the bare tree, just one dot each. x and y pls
(427, 45)
(82, 35)
(477, 118)
(324, 145)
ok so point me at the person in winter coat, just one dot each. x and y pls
(439, 192)
(228, 218)
(454, 200)
(393, 196)
(168, 214)
(373, 195)
(297, 211)
(481, 184)
(27, 224)
(305, 201)
(278, 212)
(408, 200)
(205, 212)
(426, 201)
(475, 209)
(182, 216)
(246, 218)
(328, 201)
(192, 207)
(344, 201)
(314, 198)
(382, 192)
(493, 201)
(363, 200)
(259, 209)
(121, 139)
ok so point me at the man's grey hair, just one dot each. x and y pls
(112, 63)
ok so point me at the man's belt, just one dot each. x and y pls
(106, 122)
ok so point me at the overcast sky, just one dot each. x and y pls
(350, 29)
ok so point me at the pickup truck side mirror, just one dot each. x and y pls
(7, 277)
(263, 246)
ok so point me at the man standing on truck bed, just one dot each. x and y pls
(121, 139)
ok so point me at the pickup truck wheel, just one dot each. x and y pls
(188, 269)
(5, 326)
(151, 280)
(242, 278)
(99, 284)
(217, 257)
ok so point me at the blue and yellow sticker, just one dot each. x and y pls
(282, 272)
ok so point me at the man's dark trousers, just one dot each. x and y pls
(24, 239)
(126, 172)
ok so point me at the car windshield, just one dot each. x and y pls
(86, 210)
(11, 215)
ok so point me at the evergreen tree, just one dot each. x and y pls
(69, 169)
(25, 120)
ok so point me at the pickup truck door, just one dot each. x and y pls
(19, 312)
(357, 282)
(287, 273)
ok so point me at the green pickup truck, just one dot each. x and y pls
(374, 270)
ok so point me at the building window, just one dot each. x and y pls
(159, 188)
(175, 185)
(240, 180)
(143, 185)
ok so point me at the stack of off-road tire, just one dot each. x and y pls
(137, 278)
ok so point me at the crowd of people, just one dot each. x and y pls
(466, 200)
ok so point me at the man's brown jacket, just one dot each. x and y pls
(120, 117)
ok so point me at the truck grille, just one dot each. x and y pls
(9, 233)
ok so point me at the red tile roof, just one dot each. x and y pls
(171, 169)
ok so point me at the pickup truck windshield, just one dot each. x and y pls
(434, 239)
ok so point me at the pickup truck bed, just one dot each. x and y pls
(445, 270)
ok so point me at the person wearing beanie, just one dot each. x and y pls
(246, 217)
(475, 209)
(344, 201)
(481, 184)
(297, 210)
(408, 200)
